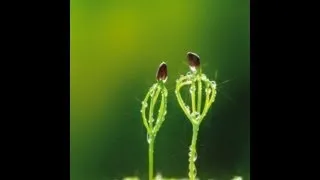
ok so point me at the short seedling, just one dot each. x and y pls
(195, 79)
(151, 125)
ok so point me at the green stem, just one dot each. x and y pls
(193, 96)
(210, 97)
(179, 98)
(162, 111)
(199, 94)
(192, 153)
(152, 103)
(151, 145)
(143, 109)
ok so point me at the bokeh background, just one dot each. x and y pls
(116, 48)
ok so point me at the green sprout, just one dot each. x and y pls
(151, 125)
(195, 79)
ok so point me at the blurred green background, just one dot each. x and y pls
(116, 48)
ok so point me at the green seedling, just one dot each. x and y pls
(196, 80)
(149, 122)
